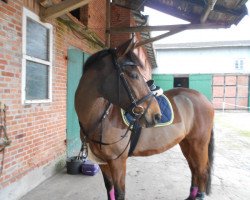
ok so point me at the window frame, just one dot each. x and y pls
(29, 14)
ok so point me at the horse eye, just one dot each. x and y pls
(134, 75)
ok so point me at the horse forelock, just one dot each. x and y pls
(131, 56)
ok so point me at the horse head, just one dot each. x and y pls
(119, 80)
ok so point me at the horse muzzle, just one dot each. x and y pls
(153, 120)
(147, 117)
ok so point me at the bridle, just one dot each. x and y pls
(135, 103)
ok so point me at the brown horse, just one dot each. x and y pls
(109, 138)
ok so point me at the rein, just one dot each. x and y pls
(131, 128)
(133, 106)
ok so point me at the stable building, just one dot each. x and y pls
(219, 69)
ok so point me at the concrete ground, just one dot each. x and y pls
(166, 176)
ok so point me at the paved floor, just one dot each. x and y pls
(166, 176)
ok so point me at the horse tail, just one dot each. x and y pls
(210, 162)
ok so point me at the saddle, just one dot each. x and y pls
(166, 119)
(166, 110)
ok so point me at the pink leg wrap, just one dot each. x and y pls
(193, 192)
(112, 194)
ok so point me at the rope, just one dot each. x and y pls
(4, 141)
(230, 104)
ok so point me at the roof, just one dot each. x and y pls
(223, 12)
(200, 14)
(217, 12)
(194, 45)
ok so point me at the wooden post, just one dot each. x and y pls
(107, 39)
(207, 11)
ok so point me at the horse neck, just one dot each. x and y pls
(89, 104)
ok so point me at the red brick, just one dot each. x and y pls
(218, 80)
(7, 74)
(230, 80)
(218, 91)
(230, 91)
(3, 62)
(243, 80)
(242, 103)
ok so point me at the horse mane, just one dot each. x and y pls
(96, 57)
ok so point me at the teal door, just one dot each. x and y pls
(165, 81)
(201, 83)
(76, 58)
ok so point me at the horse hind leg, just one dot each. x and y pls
(199, 155)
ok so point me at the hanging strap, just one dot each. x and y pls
(134, 138)
(4, 140)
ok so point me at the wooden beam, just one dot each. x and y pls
(46, 3)
(153, 39)
(172, 32)
(165, 27)
(61, 8)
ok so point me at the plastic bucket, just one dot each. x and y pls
(74, 165)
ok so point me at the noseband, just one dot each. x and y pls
(135, 108)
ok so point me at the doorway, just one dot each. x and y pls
(76, 59)
(181, 82)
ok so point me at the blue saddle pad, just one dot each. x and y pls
(166, 111)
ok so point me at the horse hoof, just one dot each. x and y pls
(190, 198)
(200, 196)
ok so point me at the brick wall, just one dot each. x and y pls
(122, 17)
(37, 131)
(97, 15)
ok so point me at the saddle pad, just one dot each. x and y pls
(166, 111)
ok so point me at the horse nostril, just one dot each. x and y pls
(157, 117)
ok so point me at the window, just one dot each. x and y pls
(81, 14)
(239, 64)
(37, 59)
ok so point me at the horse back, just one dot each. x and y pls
(193, 107)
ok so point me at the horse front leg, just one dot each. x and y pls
(108, 181)
(118, 171)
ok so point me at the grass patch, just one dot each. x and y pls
(245, 133)
(227, 122)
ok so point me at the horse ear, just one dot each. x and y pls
(124, 48)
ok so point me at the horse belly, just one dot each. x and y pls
(159, 139)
